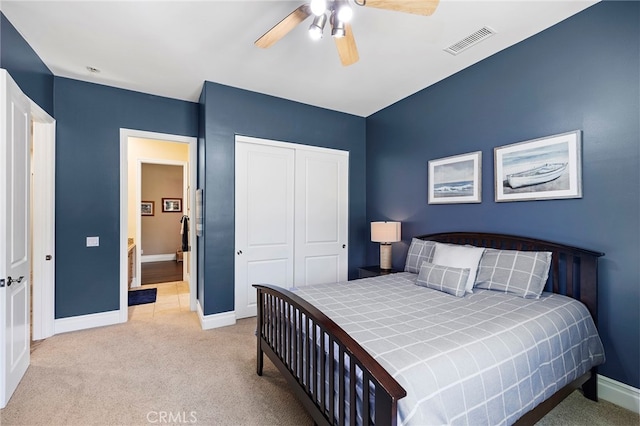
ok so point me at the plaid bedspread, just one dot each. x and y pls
(486, 358)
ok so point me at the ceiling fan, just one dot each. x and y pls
(339, 13)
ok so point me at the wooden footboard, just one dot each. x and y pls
(336, 380)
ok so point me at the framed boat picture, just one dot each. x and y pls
(539, 169)
(455, 179)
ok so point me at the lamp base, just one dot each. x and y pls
(385, 256)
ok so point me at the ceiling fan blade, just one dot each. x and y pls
(283, 27)
(347, 47)
(419, 7)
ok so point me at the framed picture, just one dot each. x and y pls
(540, 169)
(455, 179)
(147, 208)
(172, 205)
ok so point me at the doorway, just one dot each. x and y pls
(26, 130)
(139, 148)
(42, 223)
(163, 192)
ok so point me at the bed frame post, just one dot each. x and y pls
(589, 295)
(590, 387)
(260, 354)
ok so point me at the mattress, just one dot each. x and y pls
(485, 358)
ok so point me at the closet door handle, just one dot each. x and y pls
(344, 246)
(239, 252)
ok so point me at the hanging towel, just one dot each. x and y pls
(184, 230)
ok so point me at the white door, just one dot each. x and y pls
(321, 217)
(14, 236)
(264, 196)
(43, 224)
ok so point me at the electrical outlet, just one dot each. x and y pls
(93, 241)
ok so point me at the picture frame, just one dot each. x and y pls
(539, 169)
(172, 205)
(456, 179)
(147, 208)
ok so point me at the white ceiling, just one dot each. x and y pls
(170, 48)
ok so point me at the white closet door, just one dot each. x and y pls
(264, 197)
(321, 218)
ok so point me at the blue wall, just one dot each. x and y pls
(89, 117)
(581, 74)
(228, 111)
(25, 66)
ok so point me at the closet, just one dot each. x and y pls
(291, 217)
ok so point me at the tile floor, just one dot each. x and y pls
(172, 297)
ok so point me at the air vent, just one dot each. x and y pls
(471, 40)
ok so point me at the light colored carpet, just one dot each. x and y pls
(166, 370)
(134, 373)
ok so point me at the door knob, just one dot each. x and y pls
(48, 257)
(239, 252)
(344, 246)
(11, 280)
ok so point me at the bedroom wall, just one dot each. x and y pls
(580, 74)
(89, 117)
(25, 66)
(227, 111)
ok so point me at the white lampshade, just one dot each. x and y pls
(385, 232)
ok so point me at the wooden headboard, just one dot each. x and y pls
(573, 272)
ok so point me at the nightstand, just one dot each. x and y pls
(374, 271)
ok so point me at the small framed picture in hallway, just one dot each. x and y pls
(146, 208)
(172, 205)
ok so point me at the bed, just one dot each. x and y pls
(384, 350)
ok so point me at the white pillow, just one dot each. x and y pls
(458, 256)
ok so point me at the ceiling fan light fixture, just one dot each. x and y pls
(318, 7)
(317, 27)
(338, 32)
(337, 27)
(345, 12)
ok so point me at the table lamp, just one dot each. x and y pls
(385, 233)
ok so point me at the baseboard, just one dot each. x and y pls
(82, 322)
(619, 393)
(157, 257)
(207, 322)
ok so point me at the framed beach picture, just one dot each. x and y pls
(455, 179)
(172, 205)
(146, 208)
(539, 169)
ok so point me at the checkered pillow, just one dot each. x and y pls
(419, 251)
(443, 278)
(523, 273)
